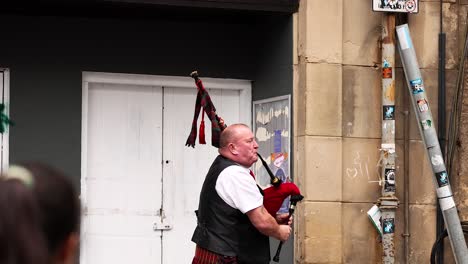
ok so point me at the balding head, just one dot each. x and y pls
(238, 144)
(230, 134)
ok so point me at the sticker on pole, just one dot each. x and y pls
(389, 180)
(388, 112)
(401, 6)
(388, 226)
(422, 105)
(442, 178)
(426, 124)
(417, 86)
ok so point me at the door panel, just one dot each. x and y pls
(184, 174)
(123, 182)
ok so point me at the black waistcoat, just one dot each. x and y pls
(225, 230)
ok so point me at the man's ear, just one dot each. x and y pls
(66, 253)
(232, 148)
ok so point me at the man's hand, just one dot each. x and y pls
(284, 232)
(284, 219)
(267, 225)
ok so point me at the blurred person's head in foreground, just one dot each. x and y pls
(40, 216)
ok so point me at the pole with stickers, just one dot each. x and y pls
(388, 202)
(429, 136)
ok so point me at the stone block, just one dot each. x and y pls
(360, 174)
(319, 233)
(320, 29)
(361, 33)
(362, 102)
(425, 28)
(422, 231)
(319, 98)
(421, 181)
(361, 241)
(462, 23)
(319, 168)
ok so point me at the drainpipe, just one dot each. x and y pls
(406, 233)
(429, 136)
(441, 127)
(388, 202)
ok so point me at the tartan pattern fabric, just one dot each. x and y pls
(217, 123)
(203, 256)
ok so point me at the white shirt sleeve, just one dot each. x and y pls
(238, 189)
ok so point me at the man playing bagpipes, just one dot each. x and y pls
(233, 224)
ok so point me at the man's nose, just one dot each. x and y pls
(255, 144)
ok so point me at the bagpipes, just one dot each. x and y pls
(274, 195)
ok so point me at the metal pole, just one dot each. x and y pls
(388, 201)
(441, 126)
(429, 136)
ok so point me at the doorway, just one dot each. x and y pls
(140, 184)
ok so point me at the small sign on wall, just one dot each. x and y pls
(402, 6)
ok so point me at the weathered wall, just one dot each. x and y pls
(337, 95)
(460, 165)
(461, 190)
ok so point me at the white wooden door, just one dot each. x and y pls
(123, 177)
(137, 172)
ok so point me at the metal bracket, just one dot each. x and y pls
(388, 202)
(161, 226)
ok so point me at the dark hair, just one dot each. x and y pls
(58, 203)
(21, 236)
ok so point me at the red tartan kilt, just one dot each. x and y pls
(203, 256)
